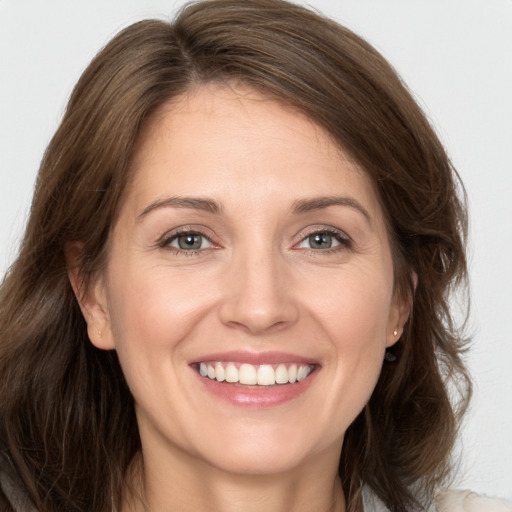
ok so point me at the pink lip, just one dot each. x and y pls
(256, 396)
(255, 358)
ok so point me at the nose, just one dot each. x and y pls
(258, 296)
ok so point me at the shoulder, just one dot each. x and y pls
(447, 500)
(450, 500)
(371, 503)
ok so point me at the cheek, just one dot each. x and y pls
(357, 309)
(355, 320)
(151, 314)
(153, 309)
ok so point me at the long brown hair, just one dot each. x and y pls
(67, 423)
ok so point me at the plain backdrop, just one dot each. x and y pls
(456, 56)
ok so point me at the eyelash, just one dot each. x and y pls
(165, 243)
(342, 238)
(344, 242)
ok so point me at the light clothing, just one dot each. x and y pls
(466, 501)
(448, 500)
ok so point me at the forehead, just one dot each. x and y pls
(215, 137)
(259, 118)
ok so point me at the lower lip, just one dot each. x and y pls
(257, 396)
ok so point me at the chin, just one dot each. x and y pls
(266, 450)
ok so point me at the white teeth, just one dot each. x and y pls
(292, 373)
(220, 374)
(266, 375)
(250, 375)
(302, 373)
(247, 374)
(281, 374)
(231, 373)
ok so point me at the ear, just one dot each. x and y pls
(400, 312)
(92, 298)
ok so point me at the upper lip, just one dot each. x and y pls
(255, 358)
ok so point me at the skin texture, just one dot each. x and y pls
(255, 285)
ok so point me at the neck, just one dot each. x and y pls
(188, 488)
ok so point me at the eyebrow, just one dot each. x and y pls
(194, 203)
(212, 206)
(319, 203)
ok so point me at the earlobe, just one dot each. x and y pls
(401, 319)
(401, 313)
(396, 323)
(92, 299)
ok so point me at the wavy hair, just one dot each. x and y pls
(67, 422)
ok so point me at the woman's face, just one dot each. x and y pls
(251, 249)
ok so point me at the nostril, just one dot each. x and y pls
(259, 298)
(258, 324)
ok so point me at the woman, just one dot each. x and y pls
(232, 291)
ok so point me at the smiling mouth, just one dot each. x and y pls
(254, 375)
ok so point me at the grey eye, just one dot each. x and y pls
(321, 240)
(189, 241)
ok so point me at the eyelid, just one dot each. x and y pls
(318, 228)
